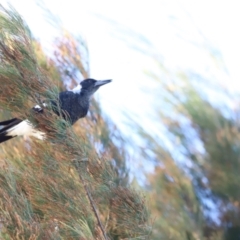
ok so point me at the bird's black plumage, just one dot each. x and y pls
(73, 105)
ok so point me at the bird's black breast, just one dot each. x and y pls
(74, 105)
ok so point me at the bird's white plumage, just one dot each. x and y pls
(37, 107)
(77, 89)
(25, 128)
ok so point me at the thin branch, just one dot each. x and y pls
(91, 202)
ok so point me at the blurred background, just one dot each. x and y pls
(174, 100)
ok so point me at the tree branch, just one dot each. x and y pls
(91, 201)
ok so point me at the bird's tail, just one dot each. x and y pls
(6, 127)
(16, 127)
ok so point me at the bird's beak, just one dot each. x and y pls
(103, 82)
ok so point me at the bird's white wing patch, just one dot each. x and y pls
(25, 128)
(37, 107)
(77, 89)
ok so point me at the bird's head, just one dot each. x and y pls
(90, 85)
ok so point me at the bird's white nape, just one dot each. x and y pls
(77, 89)
(37, 108)
(25, 128)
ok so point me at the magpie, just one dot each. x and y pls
(74, 104)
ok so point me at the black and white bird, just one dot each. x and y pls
(74, 103)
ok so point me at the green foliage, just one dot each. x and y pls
(209, 139)
(173, 204)
(220, 137)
